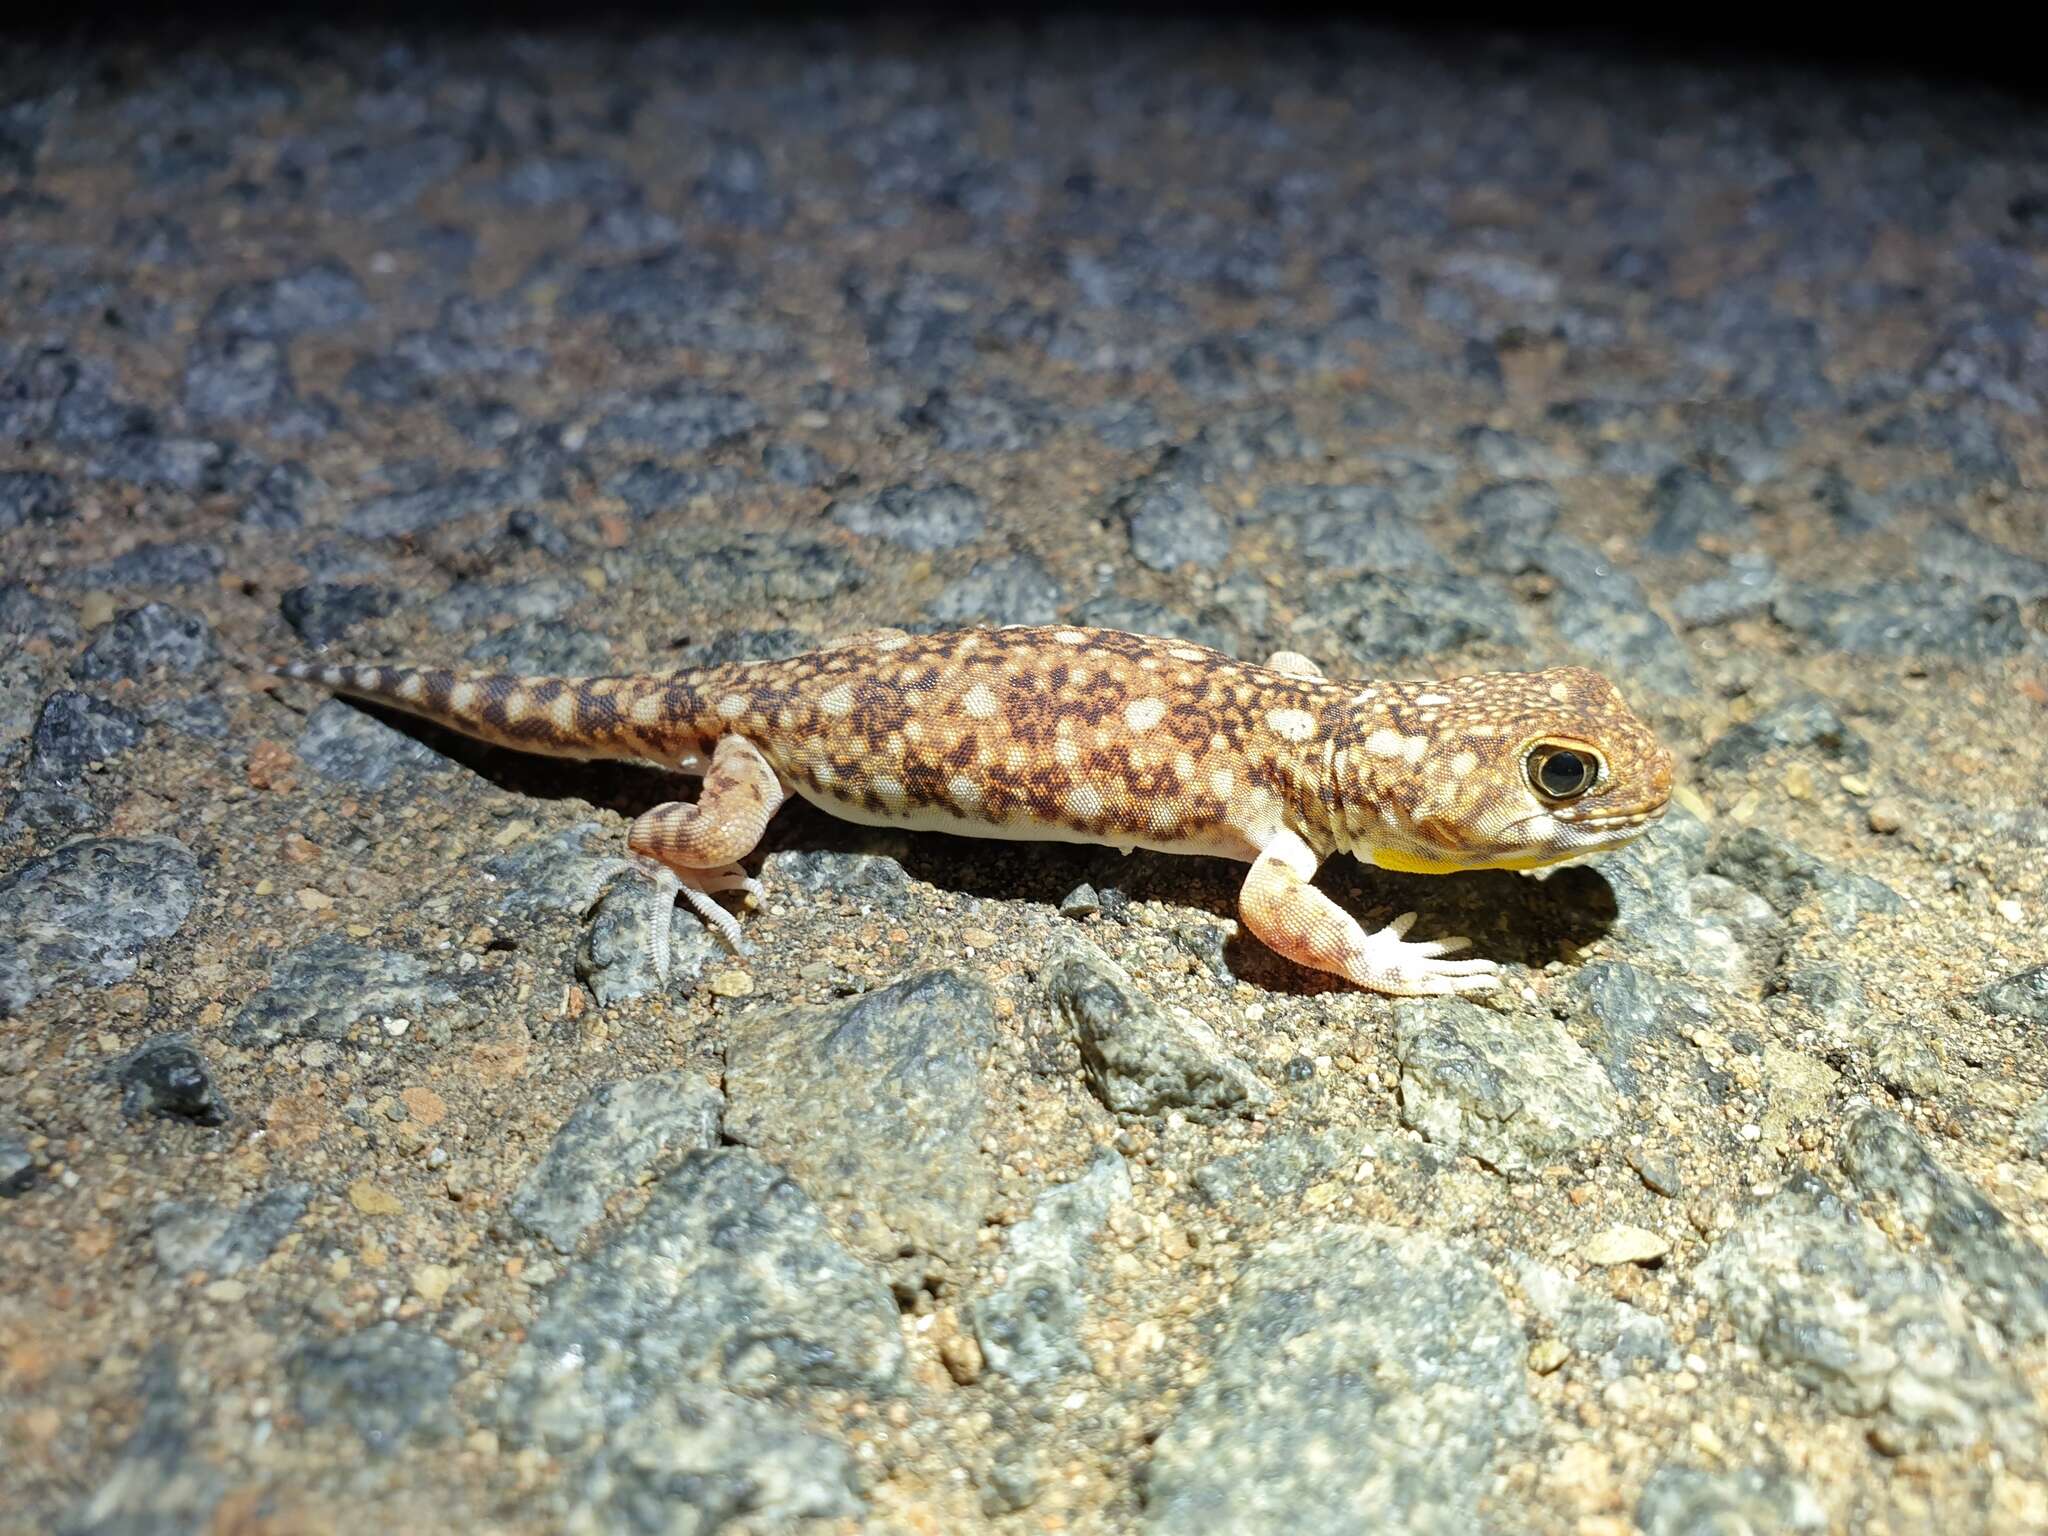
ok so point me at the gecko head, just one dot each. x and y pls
(1505, 770)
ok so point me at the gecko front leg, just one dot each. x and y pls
(1291, 917)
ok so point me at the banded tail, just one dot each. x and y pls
(646, 718)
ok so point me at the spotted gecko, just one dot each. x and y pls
(1097, 736)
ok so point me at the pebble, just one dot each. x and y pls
(1624, 1245)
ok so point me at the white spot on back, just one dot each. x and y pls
(1070, 637)
(890, 790)
(892, 642)
(1291, 724)
(1186, 653)
(965, 792)
(1463, 763)
(838, 701)
(1222, 782)
(733, 705)
(1143, 714)
(462, 696)
(562, 713)
(1066, 753)
(1084, 802)
(1431, 699)
(412, 687)
(1387, 742)
(980, 701)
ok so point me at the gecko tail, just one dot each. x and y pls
(643, 718)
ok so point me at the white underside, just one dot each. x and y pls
(932, 819)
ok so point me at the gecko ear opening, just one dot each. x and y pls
(1562, 772)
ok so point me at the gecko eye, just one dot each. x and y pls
(1561, 773)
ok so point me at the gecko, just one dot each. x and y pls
(1071, 734)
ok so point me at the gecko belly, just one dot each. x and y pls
(1212, 842)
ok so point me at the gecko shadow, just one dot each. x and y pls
(1513, 919)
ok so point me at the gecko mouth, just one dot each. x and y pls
(1616, 820)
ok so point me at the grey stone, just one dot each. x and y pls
(1806, 720)
(1905, 618)
(166, 1077)
(1241, 441)
(21, 692)
(1598, 608)
(701, 1460)
(727, 1277)
(982, 422)
(611, 1139)
(1263, 1183)
(543, 646)
(140, 640)
(1741, 1501)
(876, 1104)
(797, 464)
(2030, 1130)
(75, 730)
(1516, 513)
(321, 612)
(343, 743)
(2023, 995)
(1014, 590)
(1786, 876)
(477, 602)
(755, 569)
(1853, 509)
(247, 380)
(550, 180)
(616, 959)
(1618, 1339)
(1876, 1334)
(49, 814)
(1388, 620)
(648, 488)
(322, 991)
(280, 499)
(1640, 1020)
(2005, 1271)
(1137, 616)
(31, 496)
(423, 508)
(161, 563)
(1745, 592)
(82, 916)
(1834, 994)
(1351, 528)
(321, 297)
(1140, 1059)
(389, 1382)
(17, 1167)
(1028, 1326)
(1402, 1385)
(22, 612)
(923, 519)
(159, 1483)
(188, 1235)
(1687, 506)
(1511, 1092)
(1947, 548)
(869, 879)
(681, 417)
(1172, 521)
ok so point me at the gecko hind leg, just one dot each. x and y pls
(698, 847)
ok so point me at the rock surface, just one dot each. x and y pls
(359, 1167)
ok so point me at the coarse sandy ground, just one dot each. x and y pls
(1009, 1188)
